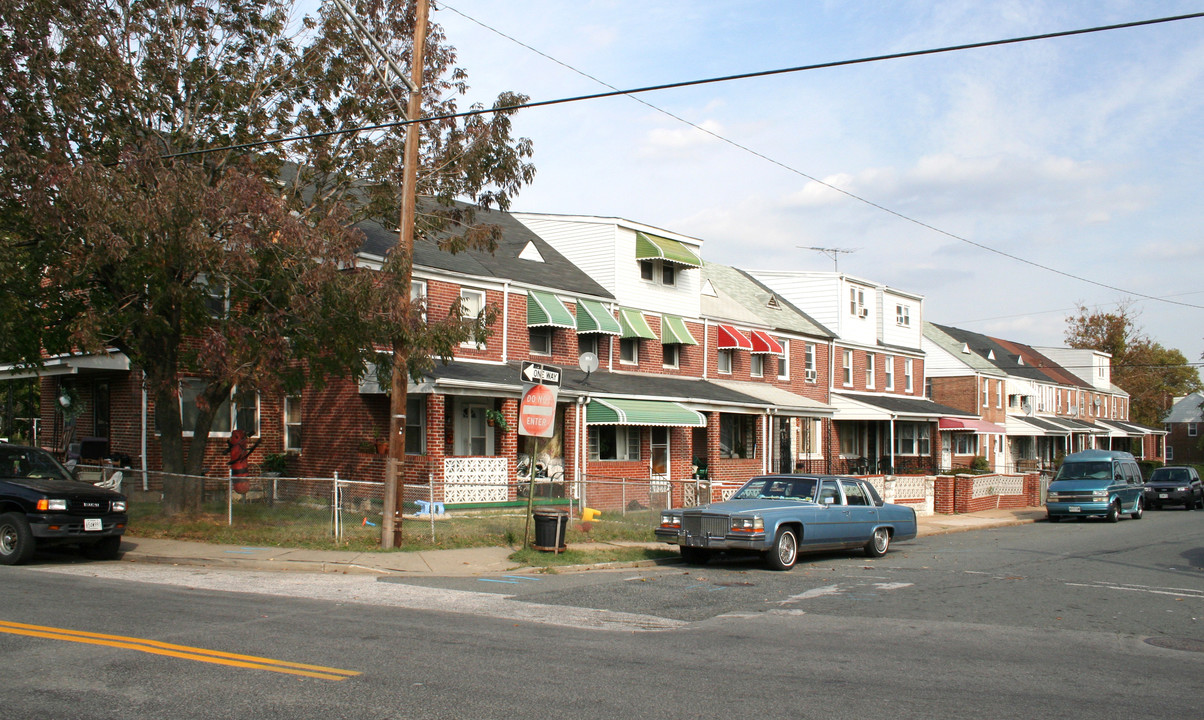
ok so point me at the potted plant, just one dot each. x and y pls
(381, 444)
(274, 464)
(496, 418)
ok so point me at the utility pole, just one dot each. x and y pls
(833, 253)
(395, 477)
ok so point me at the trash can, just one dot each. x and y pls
(550, 526)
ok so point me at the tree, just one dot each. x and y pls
(1149, 372)
(234, 267)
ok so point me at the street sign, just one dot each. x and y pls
(539, 373)
(537, 411)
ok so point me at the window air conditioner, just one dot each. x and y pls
(865, 312)
(809, 375)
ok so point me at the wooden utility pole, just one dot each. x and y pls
(395, 477)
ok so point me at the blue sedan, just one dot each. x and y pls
(783, 515)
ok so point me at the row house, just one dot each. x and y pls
(1184, 427)
(1046, 407)
(882, 421)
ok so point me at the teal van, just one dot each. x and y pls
(1096, 483)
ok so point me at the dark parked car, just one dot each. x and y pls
(42, 503)
(783, 515)
(1174, 486)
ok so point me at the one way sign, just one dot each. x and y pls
(540, 374)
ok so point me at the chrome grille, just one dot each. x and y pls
(706, 525)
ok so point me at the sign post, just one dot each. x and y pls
(537, 418)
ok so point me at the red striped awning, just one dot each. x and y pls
(732, 339)
(764, 343)
(974, 425)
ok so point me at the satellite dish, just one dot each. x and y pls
(588, 362)
(1028, 407)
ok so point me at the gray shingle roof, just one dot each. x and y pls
(742, 299)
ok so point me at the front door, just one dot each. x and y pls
(473, 434)
(660, 459)
(785, 455)
(946, 451)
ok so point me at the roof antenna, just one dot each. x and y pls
(833, 253)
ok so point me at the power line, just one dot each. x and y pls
(745, 76)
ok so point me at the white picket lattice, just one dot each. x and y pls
(988, 485)
(475, 480)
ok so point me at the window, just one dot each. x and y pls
(418, 294)
(1191, 429)
(737, 435)
(1170, 453)
(216, 297)
(811, 440)
(850, 445)
(646, 270)
(614, 442)
(242, 413)
(847, 367)
(416, 425)
(998, 393)
(853, 494)
(672, 355)
(809, 373)
(784, 360)
(292, 423)
(472, 305)
(541, 341)
(965, 444)
(907, 375)
(629, 351)
(756, 365)
(888, 370)
(903, 315)
(986, 394)
(912, 439)
(869, 371)
(668, 275)
(724, 362)
(857, 302)
(587, 343)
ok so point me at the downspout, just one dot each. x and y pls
(706, 347)
(581, 457)
(506, 321)
(891, 449)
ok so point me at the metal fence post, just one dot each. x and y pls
(430, 484)
(338, 526)
(229, 496)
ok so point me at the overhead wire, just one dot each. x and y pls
(757, 74)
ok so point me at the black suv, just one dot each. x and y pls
(42, 502)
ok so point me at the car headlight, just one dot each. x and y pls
(118, 506)
(671, 522)
(1053, 496)
(748, 524)
(52, 504)
(1099, 495)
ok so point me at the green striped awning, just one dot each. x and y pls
(653, 247)
(612, 411)
(593, 317)
(674, 330)
(546, 310)
(633, 324)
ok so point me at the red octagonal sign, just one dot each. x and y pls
(537, 411)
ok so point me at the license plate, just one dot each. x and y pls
(93, 524)
(1075, 508)
(1163, 496)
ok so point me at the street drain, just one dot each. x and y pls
(1176, 644)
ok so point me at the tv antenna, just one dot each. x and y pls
(833, 253)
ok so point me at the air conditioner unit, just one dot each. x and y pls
(809, 375)
(865, 312)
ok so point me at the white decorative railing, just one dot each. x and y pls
(988, 485)
(475, 480)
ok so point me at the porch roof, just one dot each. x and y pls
(888, 407)
(68, 365)
(1033, 426)
(783, 401)
(974, 425)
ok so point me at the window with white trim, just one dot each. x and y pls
(908, 378)
(756, 365)
(999, 394)
(869, 371)
(965, 444)
(292, 423)
(416, 425)
(472, 305)
(888, 371)
(737, 435)
(614, 442)
(724, 362)
(913, 439)
(629, 351)
(238, 411)
(418, 295)
(1192, 429)
(903, 315)
(784, 360)
(857, 302)
(672, 355)
(847, 367)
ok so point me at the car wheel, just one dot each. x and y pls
(108, 548)
(1053, 518)
(695, 556)
(1190, 504)
(1114, 511)
(16, 540)
(784, 552)
(878, 544)
(1139, 510)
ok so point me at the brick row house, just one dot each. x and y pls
(1184, 425)
(1048, 402)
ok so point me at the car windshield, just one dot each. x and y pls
(778, 488)
(17, 462)
(1175, 475)
(1101, 470)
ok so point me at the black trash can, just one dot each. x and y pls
(550, 526)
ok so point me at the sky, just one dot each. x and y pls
(1084, 154)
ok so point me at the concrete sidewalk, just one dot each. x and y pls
(462, 562)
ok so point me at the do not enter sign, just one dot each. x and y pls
(537, 411)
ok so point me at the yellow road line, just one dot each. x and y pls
(156, 647)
